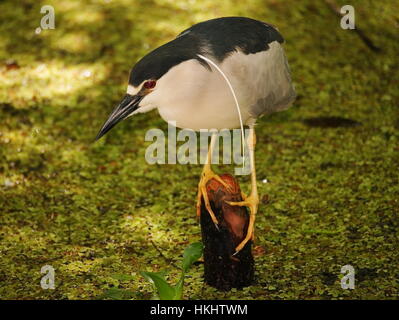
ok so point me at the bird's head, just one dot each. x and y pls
(129, 105)
(150, 79)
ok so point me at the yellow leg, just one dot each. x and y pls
(252, 201)
(206, 175)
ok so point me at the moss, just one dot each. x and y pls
(96, 210)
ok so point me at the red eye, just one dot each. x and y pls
(150, 84)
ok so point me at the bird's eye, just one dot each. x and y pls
(150, 84)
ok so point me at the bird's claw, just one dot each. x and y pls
(207, 175)
(252, 203)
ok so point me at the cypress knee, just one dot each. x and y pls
(223, 269)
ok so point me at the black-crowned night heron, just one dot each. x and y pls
(218, 74)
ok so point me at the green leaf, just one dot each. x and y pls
(165, 291)
(179, 288)
(162, 274)
(191, 254)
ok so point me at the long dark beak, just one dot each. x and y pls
(127, 106)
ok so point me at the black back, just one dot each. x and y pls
(218, 37)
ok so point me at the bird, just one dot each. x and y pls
(223, 73)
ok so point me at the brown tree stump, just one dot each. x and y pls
(222, 270)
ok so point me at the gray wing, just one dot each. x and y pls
(277, 91)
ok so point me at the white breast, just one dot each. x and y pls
(197, 98)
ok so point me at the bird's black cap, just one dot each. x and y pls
(217, 37)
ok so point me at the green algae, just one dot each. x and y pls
(93, 210)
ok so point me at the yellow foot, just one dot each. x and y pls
(244, 197)
(252, 203)
(208, 174)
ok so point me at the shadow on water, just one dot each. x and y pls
(331, 122)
